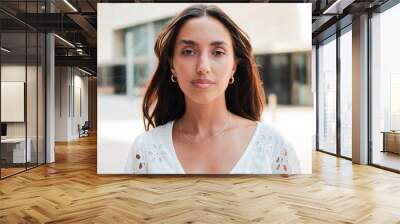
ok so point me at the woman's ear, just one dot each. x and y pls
(235, 66)
(171, 66)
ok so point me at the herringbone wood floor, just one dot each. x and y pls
(70, 191)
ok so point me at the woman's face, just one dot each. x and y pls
(203, 60)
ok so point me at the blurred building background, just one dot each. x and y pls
(282, 50)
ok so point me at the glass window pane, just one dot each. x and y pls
(278, 81)
(346, 94)
(301, 89)
(23, 88)
(31, 97)
(13, 86)
(141, 73)
(41, 98)
(140, 40)
(386, 89)
(327, 96)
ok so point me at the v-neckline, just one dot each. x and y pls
(178, 162)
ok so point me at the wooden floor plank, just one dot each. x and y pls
(70, 191)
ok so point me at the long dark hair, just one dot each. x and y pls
(164, 101)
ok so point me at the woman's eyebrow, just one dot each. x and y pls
(188, 42)
(191, 42)
(217, 43)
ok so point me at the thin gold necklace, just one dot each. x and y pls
(220, 131)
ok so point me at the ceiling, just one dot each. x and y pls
(76, 22)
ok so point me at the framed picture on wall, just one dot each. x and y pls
(12, 101)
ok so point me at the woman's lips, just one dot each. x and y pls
(202, 83)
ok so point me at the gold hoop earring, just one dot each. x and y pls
(232, 80)
(173, 78)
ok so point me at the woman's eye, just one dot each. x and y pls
(188, 52)
(219, 52)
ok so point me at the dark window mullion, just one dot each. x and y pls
(317, 96)
(26, 86)
(37, 91)
(338, 98)
(369, 96)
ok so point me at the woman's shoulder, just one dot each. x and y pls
(262, 129)
(269, 131)
(284, 156)
(159, 132)
(148, 149)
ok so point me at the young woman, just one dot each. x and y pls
(204, 104)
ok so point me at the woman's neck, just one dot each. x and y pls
(205, 119)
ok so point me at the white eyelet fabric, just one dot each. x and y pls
(267, 153)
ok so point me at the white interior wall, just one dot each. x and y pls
(82, 83)
(70, 83)
(61, 103)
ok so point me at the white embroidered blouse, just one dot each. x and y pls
(267, 153)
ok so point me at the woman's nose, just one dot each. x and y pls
(203, 66)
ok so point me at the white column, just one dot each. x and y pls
(50, 99)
